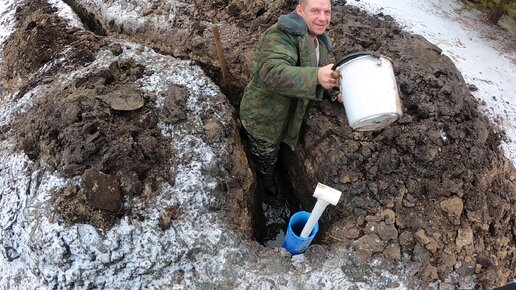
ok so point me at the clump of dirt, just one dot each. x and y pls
(102, 122)
(166, 218)
(70, 203)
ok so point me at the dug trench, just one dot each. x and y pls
(433, 191)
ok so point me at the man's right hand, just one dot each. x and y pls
(327, 77)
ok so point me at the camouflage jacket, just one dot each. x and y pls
(283, 81)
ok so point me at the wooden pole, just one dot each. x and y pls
(220, 54)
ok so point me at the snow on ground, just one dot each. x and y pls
(62, 256)
(484, 54)
(64, 11)
(129, 14)
(7, 8)
(198, 251)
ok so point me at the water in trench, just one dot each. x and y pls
(273, 213)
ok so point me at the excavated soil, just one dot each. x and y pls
(433, 191)
(39, 27)
(102, 127)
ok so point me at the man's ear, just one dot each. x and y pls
(299, 9)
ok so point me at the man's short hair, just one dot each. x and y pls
(303, 2)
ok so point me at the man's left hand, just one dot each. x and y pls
(340, 98)
(327, 77)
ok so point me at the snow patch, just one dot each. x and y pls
(64, 11)
(131, 14)
(7, 21)
(134, 254)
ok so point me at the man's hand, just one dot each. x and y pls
(340, 98)
(327, 77)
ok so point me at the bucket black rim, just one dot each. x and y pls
(352, 56)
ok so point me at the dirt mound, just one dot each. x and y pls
(103, 127)
(433, 190)
(102, 122)
(39, 27)
(190, 36)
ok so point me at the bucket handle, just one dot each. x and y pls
(353, 56)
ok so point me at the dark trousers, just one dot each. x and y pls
(264, 153)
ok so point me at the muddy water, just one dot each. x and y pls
(275, 212)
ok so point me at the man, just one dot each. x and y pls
(290, 68)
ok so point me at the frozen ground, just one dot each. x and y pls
(45, 253)
(7, 9)
(484, 54)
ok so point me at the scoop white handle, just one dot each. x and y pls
(316, 213)
(325, 195)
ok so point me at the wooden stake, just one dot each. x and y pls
(220, 54)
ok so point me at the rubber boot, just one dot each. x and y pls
(269, 185)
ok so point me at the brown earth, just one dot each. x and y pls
(103, 128)
(435, 187)
(433, 191)
(39, 27)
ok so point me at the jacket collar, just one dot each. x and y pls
(294, 24)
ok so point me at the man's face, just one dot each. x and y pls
(317, 15)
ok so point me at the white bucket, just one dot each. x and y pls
(371, 97)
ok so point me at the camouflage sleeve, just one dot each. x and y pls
(278, 70)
